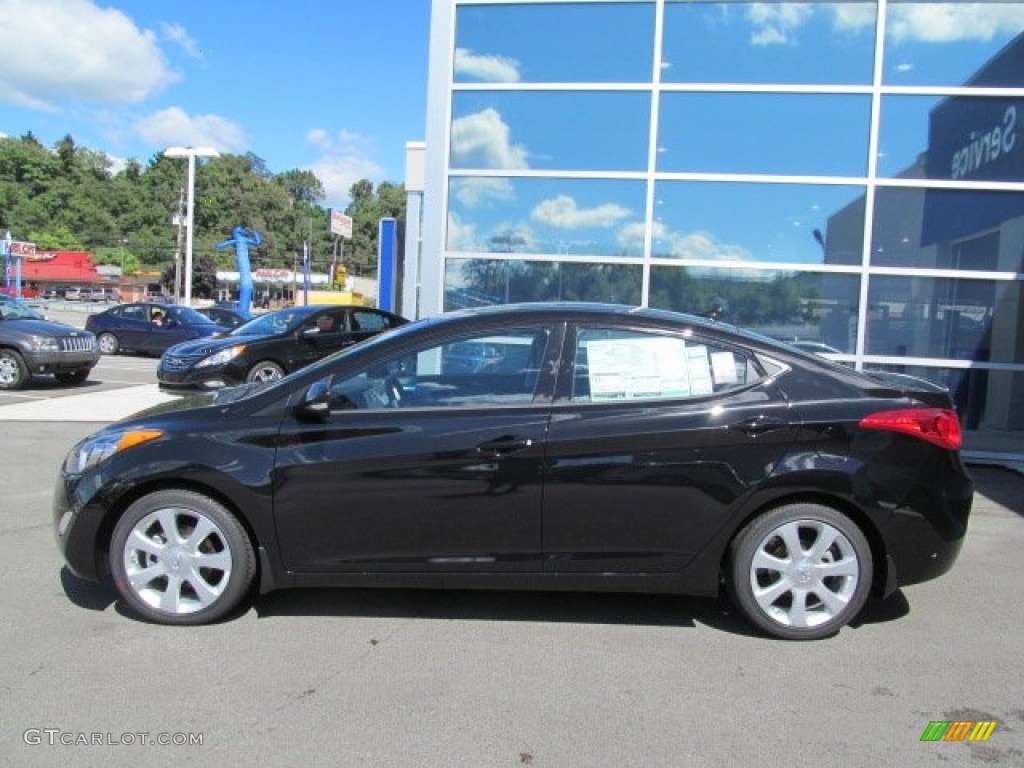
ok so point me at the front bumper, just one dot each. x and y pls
(77, 526)
(57, 362)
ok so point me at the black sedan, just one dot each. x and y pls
(270, 346)
(148, 328)
(598, 448)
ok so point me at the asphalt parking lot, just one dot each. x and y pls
(424, 678)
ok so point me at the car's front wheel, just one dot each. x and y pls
(14, 373)
(179, 557)
(108, 344)
(264, 371)
(801, 571)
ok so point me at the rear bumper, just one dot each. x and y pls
(924, 538)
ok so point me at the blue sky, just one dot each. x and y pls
(336, 86)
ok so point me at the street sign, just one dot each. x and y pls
(339, 224)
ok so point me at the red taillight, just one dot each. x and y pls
(936, 425)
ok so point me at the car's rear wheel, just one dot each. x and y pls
(264, 371)
(801, 571)
(13, 371)
(108, 343)
(72, 377)
(179, 557)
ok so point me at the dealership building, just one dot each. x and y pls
(845, 174)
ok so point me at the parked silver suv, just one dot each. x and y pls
(31, 344)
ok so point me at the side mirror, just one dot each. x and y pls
(316, 401)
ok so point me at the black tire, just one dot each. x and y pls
(264, 371)
(108, 344)
(14, 373)
(167, 572)
(812, 594)
(73, 377)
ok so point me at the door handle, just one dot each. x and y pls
(759, 425)
(504, 445)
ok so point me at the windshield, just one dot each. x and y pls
(272, 324)
(15, 310)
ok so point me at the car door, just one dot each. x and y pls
(654, 437)
(170, 331)
(130, 323)
(417, 469)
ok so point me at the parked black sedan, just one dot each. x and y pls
(148, 328)
(609, 448)
(270, 346)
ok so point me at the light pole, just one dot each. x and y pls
(191, 153)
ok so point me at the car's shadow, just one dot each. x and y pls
(487, 605)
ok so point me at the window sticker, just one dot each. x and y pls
(630, 368)
(723, 366)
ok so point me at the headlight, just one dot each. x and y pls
(223, 356)
(43, 344)
(93, 450)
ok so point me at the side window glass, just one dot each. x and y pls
(368, 321)
(481, 371)
(614, 365)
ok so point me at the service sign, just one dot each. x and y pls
(339, 224)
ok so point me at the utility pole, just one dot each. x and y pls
(180, 218)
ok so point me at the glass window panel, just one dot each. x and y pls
(792, 306)
(733, 221)
(555, 216)
(481, 282)
(591, 130)
(558, 42)
(944, 318)
(948, 229)
(957, 138)
(793, 134)
(769, 42)
(946, 43)
(990, 404)
(495, 368)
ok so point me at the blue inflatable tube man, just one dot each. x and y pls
(241, 239)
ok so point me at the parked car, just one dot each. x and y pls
(27, 292)
(633, 450)
(106, 295)
(30, 344)
(54, 292)
(270, 346)
(228, 318)
(76, 293)
(148, 328)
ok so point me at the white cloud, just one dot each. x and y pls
(853, 16)
(345, 160)
(491, 69)
(948, 23)
(461, 237)
(562, 213)
(177, 34)
(776, 23)
(55, 50)
(318, 137)
(479, 192)
(483, 140)
(175, 126)
(702, 245)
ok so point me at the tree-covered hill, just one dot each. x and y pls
(66, 197)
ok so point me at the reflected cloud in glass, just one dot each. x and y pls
(554, 216)
(759, 222)
(560, 42)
